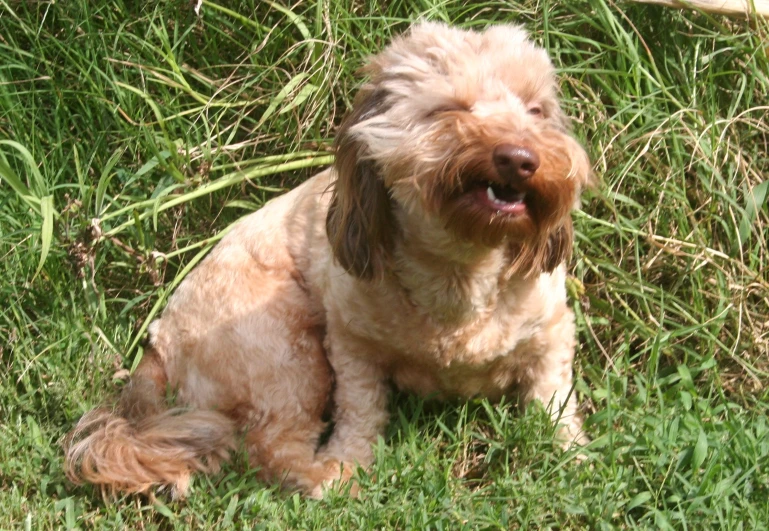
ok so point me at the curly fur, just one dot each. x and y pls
(392, 266)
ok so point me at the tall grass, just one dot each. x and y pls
(133, 134)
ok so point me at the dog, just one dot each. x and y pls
(430, 256)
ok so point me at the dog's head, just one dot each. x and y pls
(464, 128)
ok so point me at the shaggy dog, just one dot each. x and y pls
(431, 256)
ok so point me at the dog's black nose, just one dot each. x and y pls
(515, 163)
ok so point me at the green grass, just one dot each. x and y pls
(133, 133)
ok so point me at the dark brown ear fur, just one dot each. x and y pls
(559, 247)
(544, 257)
(359, 223)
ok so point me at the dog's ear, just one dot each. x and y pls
(558, 247)
(359, 223)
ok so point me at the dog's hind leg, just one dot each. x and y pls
(285, 421)
(141, 443)
(239, 346)
(284, 451)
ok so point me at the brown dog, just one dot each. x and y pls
(431, 255)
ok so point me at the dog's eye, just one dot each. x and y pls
(534, 110)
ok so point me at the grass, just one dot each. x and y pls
(133, 133)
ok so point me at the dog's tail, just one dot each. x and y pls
(141, 443)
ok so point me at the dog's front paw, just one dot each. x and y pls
(572, 437)
(338, 476)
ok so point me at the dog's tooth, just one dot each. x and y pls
(490, 194)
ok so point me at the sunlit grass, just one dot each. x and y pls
(133, 134)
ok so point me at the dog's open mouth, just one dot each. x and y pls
(501, 198)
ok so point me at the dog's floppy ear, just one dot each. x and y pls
(559, 247)
(544, 256)
(359, 223)
(561, 241)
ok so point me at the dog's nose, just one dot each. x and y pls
(515, 163)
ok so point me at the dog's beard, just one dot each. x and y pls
(472, 216)
(454, 178)
(476, 205)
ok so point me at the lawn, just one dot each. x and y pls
(132, 134)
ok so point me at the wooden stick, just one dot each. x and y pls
(723, 7)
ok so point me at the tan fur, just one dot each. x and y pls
(387, 267)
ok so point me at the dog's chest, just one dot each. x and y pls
(487, 354)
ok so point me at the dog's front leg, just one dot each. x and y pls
(552, 385)
(557, 394)
(360, 406)
(549, 378)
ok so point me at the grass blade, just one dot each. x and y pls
(47, 212)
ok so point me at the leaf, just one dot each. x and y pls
(164, 510)
(295, 19)
(700, 451)
(34, 431)
(686, 377)
(69, 513)
(106, 176)
(621, 198)
(46, 232)
(219, 184)
(755, 201)
(639, 499)
(246, 205)
(281, 96)
(304, 93)
(148, 166)
(9, 176)
(36, 178)
(229, 513)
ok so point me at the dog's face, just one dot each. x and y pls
(465, 128)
